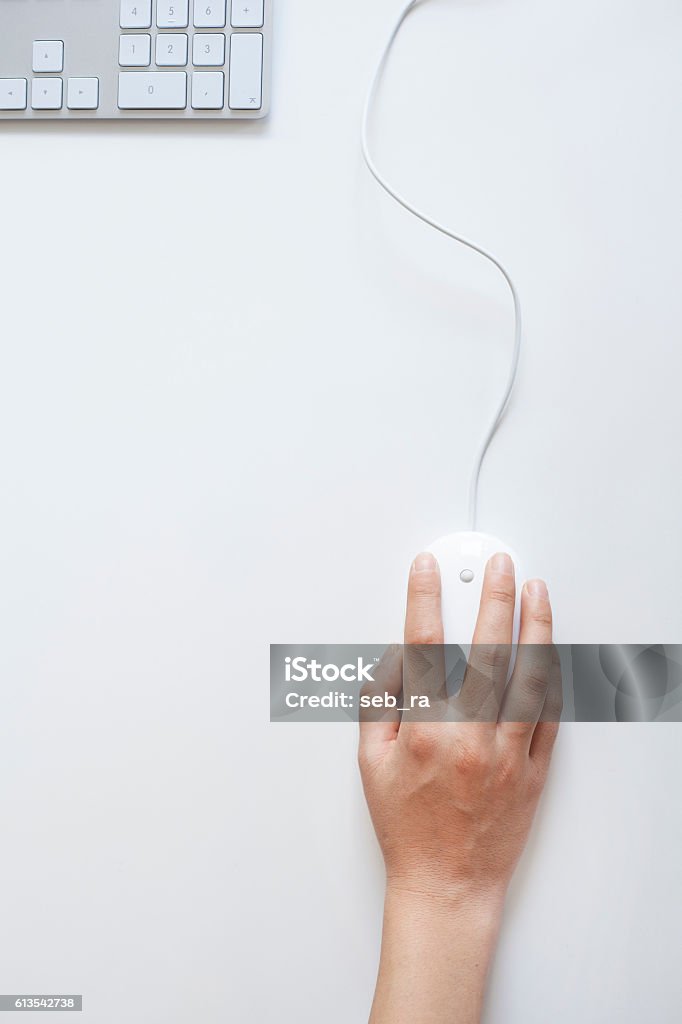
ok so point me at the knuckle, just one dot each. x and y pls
(502, 595)
(421, 741)
(427, 635)
(509, 769)
(425, 584)
(491, 657)
(535, 683)
(495, 655)
(473, 759)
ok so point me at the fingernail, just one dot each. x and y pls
(502, 563)
(424, 562)
(537, 588)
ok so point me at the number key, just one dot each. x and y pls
(210, 13)
(135, 51)
(171, 50)
(136, 14)
(152, 90)
(208, 50)
(172, 13)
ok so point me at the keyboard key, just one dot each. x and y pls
(171, 50)
(152, 90)
(246, 71)
(208, 90)
(13, 92)
(210, 13)
(46, 94)
(247, 13)
(136, 14)
(172, 13)
(48, 55)
(208, 50)
(135, 51)
(82, 94)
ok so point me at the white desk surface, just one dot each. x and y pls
(239, 391)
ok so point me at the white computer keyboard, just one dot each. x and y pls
(66, 59)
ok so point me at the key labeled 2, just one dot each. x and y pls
(171, 50)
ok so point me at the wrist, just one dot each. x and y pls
(480, 905)
(437, 946)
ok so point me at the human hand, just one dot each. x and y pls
(452, 802)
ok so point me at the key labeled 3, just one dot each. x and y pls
(208, 50)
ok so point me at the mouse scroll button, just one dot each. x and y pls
(466, 576)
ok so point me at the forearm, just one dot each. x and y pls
(435, 957)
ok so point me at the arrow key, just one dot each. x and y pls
(46, 94)
(82, 94)
(48, 55)
(13, 93)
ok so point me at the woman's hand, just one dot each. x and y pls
(452, 802)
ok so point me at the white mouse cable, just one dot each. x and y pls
(387, 187)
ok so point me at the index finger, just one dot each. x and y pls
(424, 661)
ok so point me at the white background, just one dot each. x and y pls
(239, 391)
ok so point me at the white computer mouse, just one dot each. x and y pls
(462, 559)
